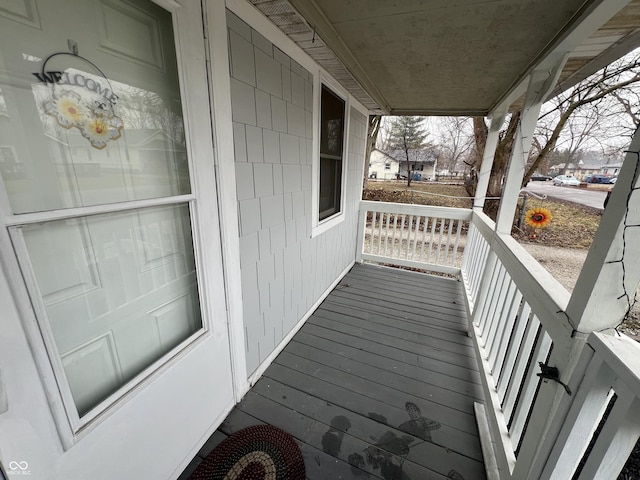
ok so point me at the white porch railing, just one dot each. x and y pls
(539, 429)
(410, 236)
(612, 385)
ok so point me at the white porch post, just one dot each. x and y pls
(541, 82)
(608, 281)
(497, 119)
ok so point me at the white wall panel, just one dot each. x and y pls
(291, 270)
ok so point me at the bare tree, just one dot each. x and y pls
(407, 136)
(581, 111)
(455, 140)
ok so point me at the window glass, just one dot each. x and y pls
(102, 126)
(119, 292)
(331, 153)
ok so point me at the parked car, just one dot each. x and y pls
(599, 179)
(564, 180)
(537, 177)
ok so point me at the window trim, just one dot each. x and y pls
(319, 226)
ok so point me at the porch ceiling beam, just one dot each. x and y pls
(611, 54)
(436, 112)
(585, 23)
(320, 24)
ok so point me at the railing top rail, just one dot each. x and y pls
(411, 209)
(547, 297)
(622, 354)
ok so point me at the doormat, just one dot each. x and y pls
(261, 452)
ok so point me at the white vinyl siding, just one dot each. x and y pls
(284, 269)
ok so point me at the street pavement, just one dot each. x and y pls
(590, 198)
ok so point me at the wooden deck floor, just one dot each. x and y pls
(379, 383)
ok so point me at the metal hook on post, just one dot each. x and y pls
(552, 373)
(73, 46)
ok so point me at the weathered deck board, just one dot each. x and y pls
(394, 353)
(423, 339)
(410, 292)
(407, 345)
(411, 372)
(378, 384)
(407, 324)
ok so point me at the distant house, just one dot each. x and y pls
(611, 169)
(421, 169)
(579, 171)
(383, 166)
(389, 165)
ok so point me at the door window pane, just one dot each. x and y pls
(102, 126)
(119, 292)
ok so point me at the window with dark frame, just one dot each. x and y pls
(332, 109)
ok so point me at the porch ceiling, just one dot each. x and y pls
(452, 57)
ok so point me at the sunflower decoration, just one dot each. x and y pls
(68, 109)
(102, 128)
(96, 123)
(537, 218)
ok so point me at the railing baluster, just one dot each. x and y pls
(615, 442)
(448, 244)
(481, 315)
(529, 387)
(425, 225)
(386, 235)
(455, 244)
(366, 246)
(520, 368)
(416, 234)
(498, 314)
(410, 226)
(493, 304)
(509, 325)
(379, 219)
(475, 269)
(522, 323)
(432, 237)
(469, 254)
(393, 238)
(441, 231)
(404, 217)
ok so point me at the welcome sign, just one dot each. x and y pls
(79, 101)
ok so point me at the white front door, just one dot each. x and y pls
(109, 208)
